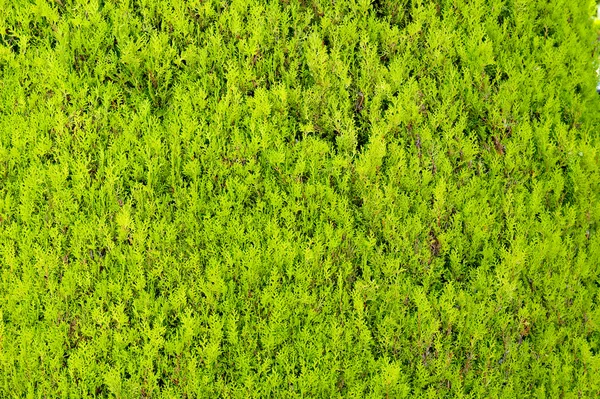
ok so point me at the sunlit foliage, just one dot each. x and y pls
(299, 198)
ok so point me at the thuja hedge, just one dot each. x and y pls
(299, 198)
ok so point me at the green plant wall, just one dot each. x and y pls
(299, 198)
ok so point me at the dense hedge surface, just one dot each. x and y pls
(299, 198)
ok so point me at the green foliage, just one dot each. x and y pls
(299, 198)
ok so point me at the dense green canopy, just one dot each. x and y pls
(299, 198)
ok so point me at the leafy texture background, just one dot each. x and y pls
(299, 198)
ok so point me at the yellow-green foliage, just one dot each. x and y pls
(299, 198)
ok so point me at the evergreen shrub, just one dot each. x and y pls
(299, 198)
